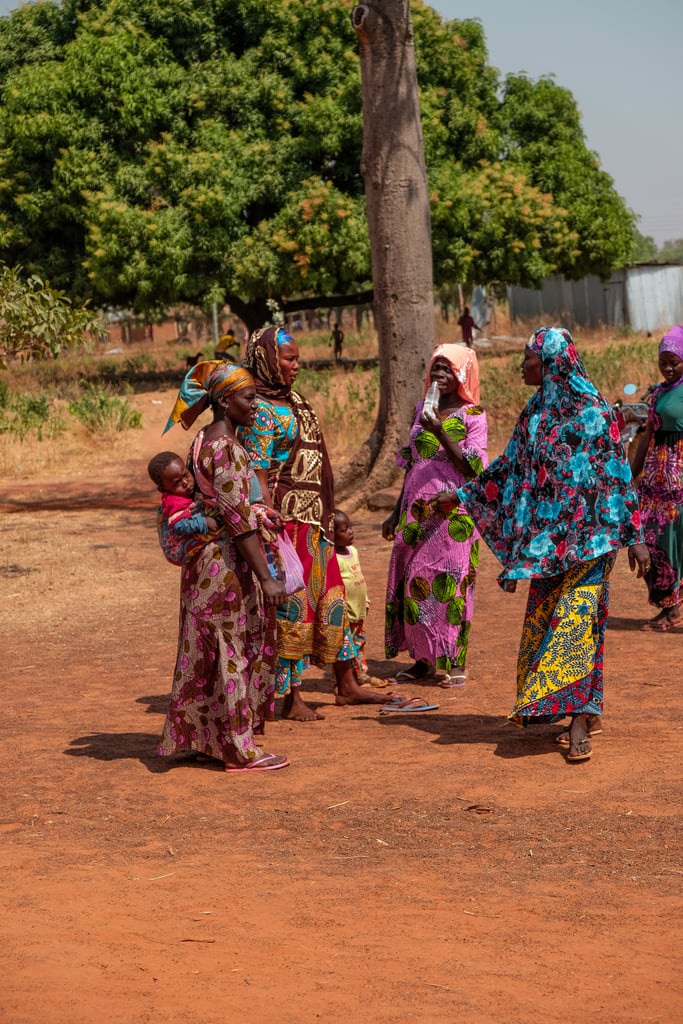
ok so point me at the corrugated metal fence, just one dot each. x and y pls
(647, 298)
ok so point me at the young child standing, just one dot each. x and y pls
(182, 522)
(356, 594)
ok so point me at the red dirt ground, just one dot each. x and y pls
(433, 867)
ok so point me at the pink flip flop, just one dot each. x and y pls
(264, 763)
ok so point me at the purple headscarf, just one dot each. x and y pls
(673, 341)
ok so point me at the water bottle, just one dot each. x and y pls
(431, 403)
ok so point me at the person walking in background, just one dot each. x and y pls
(435, 555)
(555, 508)
(337, 342)
(291, 463)
(467, 327)
(660, 458)
(223, 683)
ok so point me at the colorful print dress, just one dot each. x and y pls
(312, 625)
(223, 684)
(434, 560)
(661, 499)
(555, 508)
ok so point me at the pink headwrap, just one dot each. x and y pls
(673, 341)
(463, 362)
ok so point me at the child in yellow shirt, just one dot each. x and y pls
(356, 594)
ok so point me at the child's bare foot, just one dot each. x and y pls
(296, 710)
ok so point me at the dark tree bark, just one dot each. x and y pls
(394, 172)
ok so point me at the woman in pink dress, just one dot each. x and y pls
(430, 590)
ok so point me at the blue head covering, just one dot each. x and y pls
(561, 492)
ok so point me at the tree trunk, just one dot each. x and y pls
(394, 172)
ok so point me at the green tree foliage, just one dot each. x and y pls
(204, 150)
(37, 321)
(644, 248)
(671, 251)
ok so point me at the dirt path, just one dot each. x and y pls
(436, 868)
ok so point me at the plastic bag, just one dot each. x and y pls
(294, 570)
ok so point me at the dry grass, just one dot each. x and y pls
(344, 399)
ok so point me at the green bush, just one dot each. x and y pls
(22, 414)
(102, 413)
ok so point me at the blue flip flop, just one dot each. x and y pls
(411, 705)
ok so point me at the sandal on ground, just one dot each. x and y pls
(420, 670)
(412, 704)
(580, 751)
(264, 763)
(453, 682)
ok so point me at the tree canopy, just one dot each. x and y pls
(209, 150)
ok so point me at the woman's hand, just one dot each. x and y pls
(389, 525)
(273, 592)
(638, 554)
(445, 502)
(431, 421)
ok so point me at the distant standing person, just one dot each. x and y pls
(467, 325)
(337, 342)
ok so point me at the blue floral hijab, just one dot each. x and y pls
(561, 492)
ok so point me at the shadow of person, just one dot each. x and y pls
(156, 704)
(450, 728)
(137, 746)
(627, 625)
(447, 726)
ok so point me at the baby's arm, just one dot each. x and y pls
(197, 522)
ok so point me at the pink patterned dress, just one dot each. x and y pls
(434, 561)
(223, 684)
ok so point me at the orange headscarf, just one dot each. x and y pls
(463, 362)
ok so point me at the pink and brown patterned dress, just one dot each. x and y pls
(223, 684)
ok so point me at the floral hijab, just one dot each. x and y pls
(561, 492)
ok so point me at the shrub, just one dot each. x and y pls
(102, 413)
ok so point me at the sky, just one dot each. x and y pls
(621, 61)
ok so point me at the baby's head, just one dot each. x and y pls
(168, 471)
(343, 530)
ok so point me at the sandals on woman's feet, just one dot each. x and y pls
(661, 622)
(453, 682)
(562, 738)
(264, 763)
(580, 751)
(420, 670)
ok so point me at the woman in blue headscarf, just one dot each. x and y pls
(224, 679)
(555, 508)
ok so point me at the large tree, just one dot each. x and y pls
(395, 176)
(209, 150)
